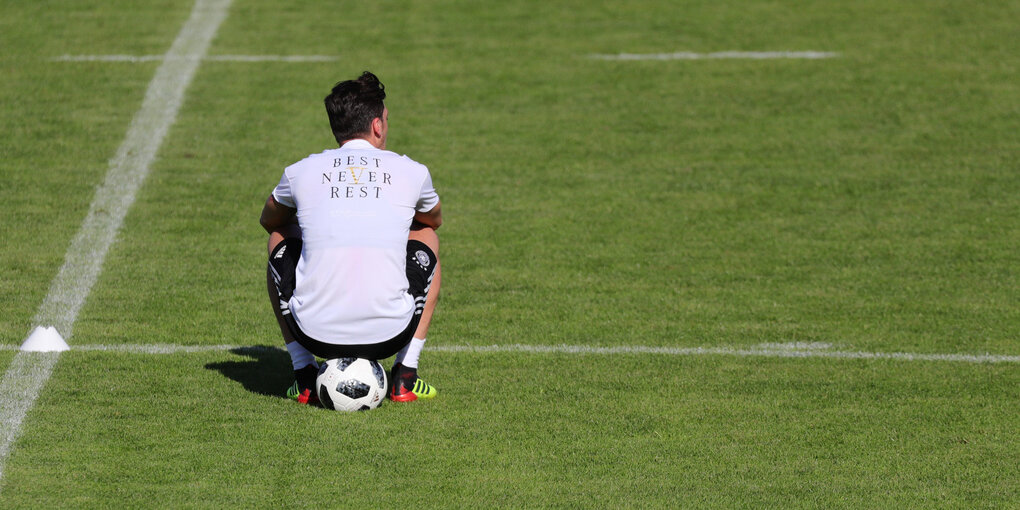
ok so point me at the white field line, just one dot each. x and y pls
(763, 351)
(83, 262)
(215, 58)
(747, 55)
(768, 350)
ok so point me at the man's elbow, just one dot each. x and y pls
(433, 218)
(423, 223)
(265, 224)
(275, 215)
(267, 221)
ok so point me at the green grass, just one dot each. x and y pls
(870, 201)
(718, 432)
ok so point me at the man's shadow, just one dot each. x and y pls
(268, 372)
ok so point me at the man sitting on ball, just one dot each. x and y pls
(353, 267)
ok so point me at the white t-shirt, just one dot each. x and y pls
(354, 205)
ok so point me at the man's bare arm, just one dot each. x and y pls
(276, 215)
(432, 218)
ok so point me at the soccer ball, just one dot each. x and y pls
(351, 384)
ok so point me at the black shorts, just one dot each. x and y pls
(421, 265)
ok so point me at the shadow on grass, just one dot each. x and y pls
(268, 372)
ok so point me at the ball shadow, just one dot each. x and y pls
(268, 372)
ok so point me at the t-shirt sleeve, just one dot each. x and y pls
(428, 198)
(283, 194)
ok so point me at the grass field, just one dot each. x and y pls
(867, 203)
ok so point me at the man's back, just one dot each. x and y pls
(354, 206)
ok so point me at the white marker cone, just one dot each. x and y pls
(45, 340)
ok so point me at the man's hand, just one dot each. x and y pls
(276, 215)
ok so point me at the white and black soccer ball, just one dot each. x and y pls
(351, 384)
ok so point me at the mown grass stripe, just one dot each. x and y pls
(28, 372)
(747, 55)
(214, 58)
(792, 350)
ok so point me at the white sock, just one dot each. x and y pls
(300, 357)
(408, 356)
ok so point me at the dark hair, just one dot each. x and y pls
(353, 104)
